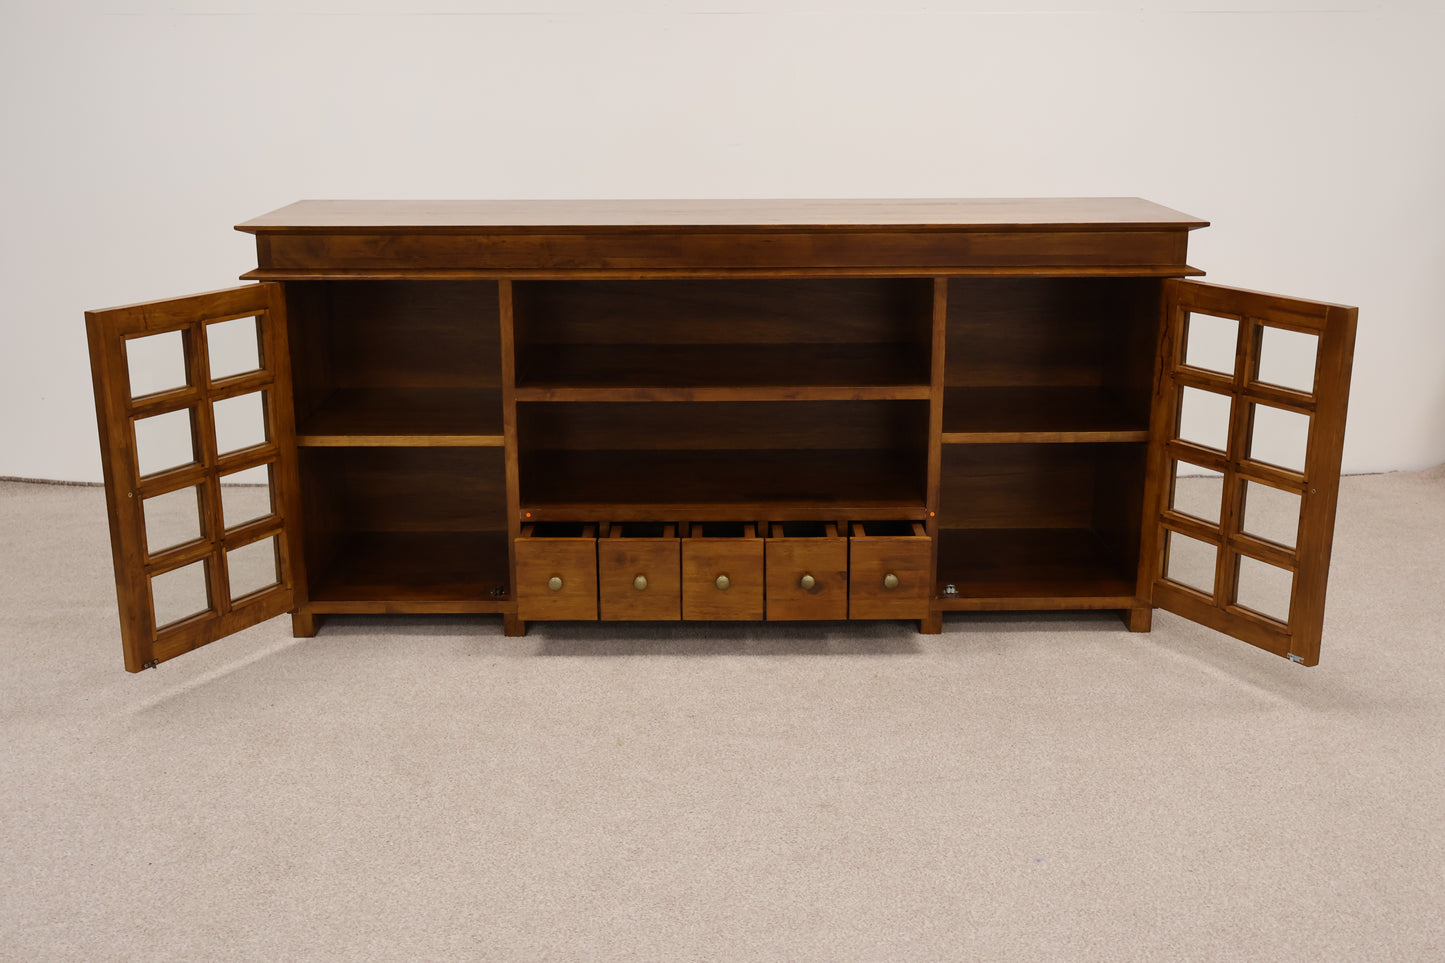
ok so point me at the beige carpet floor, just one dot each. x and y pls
(1020, 787)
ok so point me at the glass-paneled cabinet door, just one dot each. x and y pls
(1248, 427)
(193, 402)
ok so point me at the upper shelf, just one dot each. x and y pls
(1003, 415)
(646, 238)
(722, 372)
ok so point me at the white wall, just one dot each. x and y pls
(1311, 132)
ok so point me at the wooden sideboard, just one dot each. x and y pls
(718, 410)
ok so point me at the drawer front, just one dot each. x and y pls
(871, 562)
(807, 578)
(738, 563)
(621, 561)
(572, 563)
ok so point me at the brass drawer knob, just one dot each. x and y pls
(640, 582)
(890, 581)
(723, 582)
(554, 583)
(807, 582)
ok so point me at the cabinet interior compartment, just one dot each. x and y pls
(405, 524)
(1040, 521)
(726, 461)
(859, 337)
(1058, 359)
(396, 362)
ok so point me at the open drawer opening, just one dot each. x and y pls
(888, 529)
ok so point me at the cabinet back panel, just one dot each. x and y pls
(724, 425)
(725, 311)
(405, 489)
(396, 334)
(1052, 331)
(1044, 486)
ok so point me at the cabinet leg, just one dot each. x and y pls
(513, 626)
(303, 624)
(932, 624)
(1138, 619)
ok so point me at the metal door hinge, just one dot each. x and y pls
(151, 664)
(1295, 658)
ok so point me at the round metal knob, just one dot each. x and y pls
(554, 583)
(723, 582)
(890, 581)
(640, 582)
(807, 582)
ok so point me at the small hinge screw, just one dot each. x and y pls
(950, 589)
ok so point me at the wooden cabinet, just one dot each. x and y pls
(721, 410)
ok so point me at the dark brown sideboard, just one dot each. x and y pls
(704, 410)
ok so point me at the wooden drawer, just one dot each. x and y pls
(722, 571)
(639, 572)
(807, 566)
(557, 571)
(888, 566)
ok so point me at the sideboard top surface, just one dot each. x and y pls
(483, 216)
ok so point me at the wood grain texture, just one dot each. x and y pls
(722, 485)
(993, 568)
(700, 273)
(621, 560)
(822, 557)
(739, 559)
(872, 558)
(1318, 484)
(571, 559)
(413, 572)
(507, 349)
(525, 215)
(143, 641)
(732, 372)
(406, 417)
(442, 376)
(663, 249)
(724, 426)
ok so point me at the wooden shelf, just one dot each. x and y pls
(405, 418)
(1023, 568)
(722, 372)
(1007, 415)
(370, 572)
(722, 485)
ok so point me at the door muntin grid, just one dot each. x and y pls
(1242, 554)
(216, 544)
